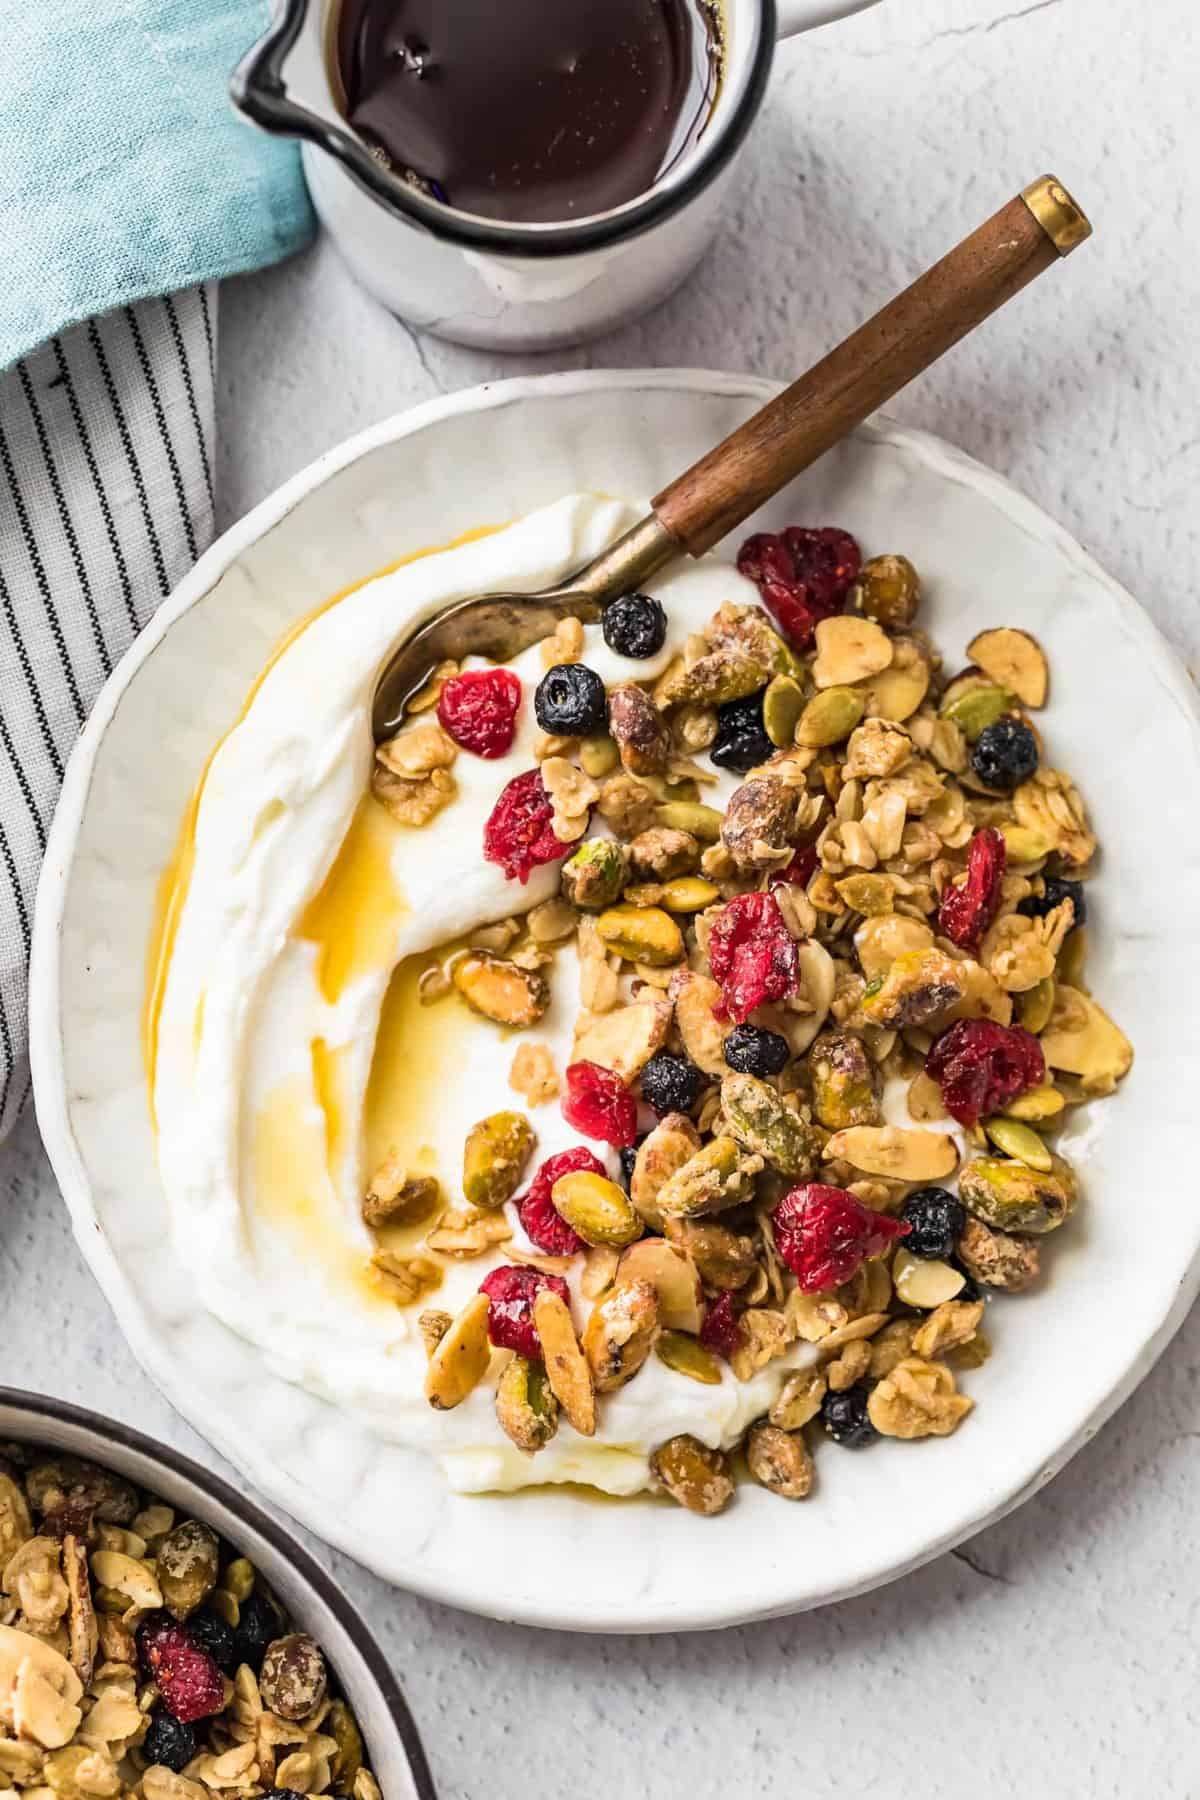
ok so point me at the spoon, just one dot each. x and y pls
(717, 493)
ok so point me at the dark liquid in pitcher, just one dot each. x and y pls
(530, 111)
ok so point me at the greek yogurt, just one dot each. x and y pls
(293, 1052)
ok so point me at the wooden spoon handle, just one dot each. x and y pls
(880, 358)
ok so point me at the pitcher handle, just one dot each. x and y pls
(803, 15)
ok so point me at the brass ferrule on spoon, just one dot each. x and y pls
(1034, 230)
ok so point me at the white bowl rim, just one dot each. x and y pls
(21, 1410)
(47, 1064)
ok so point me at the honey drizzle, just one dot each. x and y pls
(172, 888)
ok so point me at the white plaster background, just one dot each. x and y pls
(1056, 1654)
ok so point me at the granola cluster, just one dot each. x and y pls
(831, 1026)
(138, 1657)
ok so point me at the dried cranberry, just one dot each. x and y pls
(752, 955)
(764, 557)
(800, 871)
(518, 836)
(722, 1330)
(803, 575)
(511, 1291)
(824, 1234)
(479, 710)
(597, 1102)
(980, 1067)
(789, 606)
(188, 1679)
(826, 562)
(967, 911)
(540, 1221)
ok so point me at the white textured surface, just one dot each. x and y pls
(1067, 1663)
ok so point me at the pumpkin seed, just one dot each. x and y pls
(829, 717)
(599, 756)
(494, 1156)
(1024, 843)
(867, 894)
(1013, 1196)
(973, 708)
(238, 1578)
(761, 1121)
(596, 1208)
(526, 1409)
(783, 703)
(1017, 1139)
(1039, 1103)
(704, 822)
(499, 989)
(593, 876)
(642, 934)
(687, 1356)
(689, 894)
(718, 1176)
(1072, 957)
(1036, 1005)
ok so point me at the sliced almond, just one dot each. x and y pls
(891, 1151)
(673, 1276)
(926, 1282)
(880, 940)
(112, 1569)
(83, 1637)
(673, 1142)
(849, 649)
(624, 1039)
(1083, 1040)
(566, 1366)
(460, 1361)
(703, 1034)
(1014, 660)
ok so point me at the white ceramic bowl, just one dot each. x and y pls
(1123, 719)
(310, 1598)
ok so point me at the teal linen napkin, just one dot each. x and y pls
(124, 171)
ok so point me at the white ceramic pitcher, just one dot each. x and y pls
(482, 282)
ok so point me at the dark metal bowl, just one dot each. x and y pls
(310, 1598)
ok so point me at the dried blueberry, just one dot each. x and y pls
(628, 1156)
(169, 1743)
(258, 1625)
(752, 1051)
(845, 1417)
(936, 1218)
(671, 1084)
(1005, 754)
(1057, 890)
(570, 701)
(634, 625)
(741, 742)
(209, 1632)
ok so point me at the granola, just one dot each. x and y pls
(858, 978)
(141, 1659)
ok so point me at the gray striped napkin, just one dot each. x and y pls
(106, 500)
